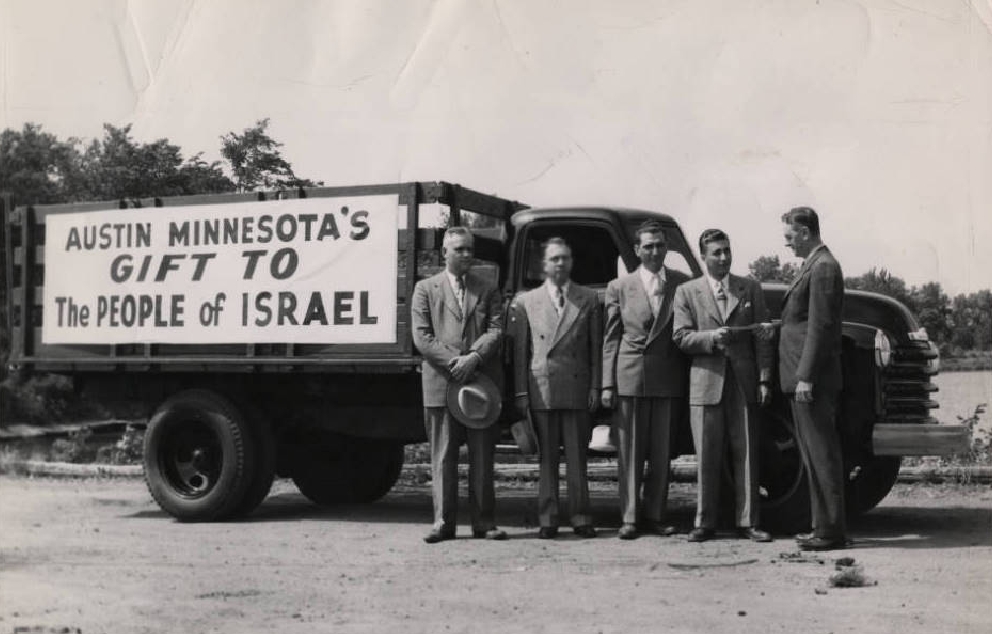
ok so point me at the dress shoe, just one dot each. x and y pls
(823, 543)
(439, 535)
(754, 534)
(547, 532)
(804, 536)
(494, 533)
(627, 531)
(700, 534)
(658, 528)
(585, 530)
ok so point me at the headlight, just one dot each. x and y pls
(883, 349)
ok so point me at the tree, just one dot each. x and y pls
(880, 280)
(118, 167)
(36, 167)
(768, 268)
(256, 161)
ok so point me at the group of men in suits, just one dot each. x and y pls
(661, 338)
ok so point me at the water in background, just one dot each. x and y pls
(960, 392)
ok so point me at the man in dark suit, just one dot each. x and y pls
(558, 338)
(717, 322)
(456, 320)
(810, 373)
(644, 375)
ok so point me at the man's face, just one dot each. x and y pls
(797, 239)
(651, 249)
(717, 258)
(557, 263)
(457, 251)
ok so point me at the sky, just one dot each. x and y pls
(722, 113)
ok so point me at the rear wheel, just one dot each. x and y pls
(336, 469)
(783, 479)
(199, 456)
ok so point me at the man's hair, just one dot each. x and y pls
(649, 226)
(554, 241)
(804, 217)
(451, 232)
(711, 235)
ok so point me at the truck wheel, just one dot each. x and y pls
(338, 469)
(873, 482)
(265, 465)
(198, 454)
(784, 483)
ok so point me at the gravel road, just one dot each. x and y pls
(98, 556)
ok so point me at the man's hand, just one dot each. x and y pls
(765, 331)
(804, 392)
(608, 399)
(764, 394)
(522, 404)
(462, 368)
(593, 401)
(721, 336)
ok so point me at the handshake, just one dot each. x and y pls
(764, 331)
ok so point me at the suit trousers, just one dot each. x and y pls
(571, 429)
(819, 442)
(446, 435)
(733, 424)
(643, 427)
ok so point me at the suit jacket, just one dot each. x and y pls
(639, 356)
(556, 361)
(697, 317)
(810, 342)
(441, 332)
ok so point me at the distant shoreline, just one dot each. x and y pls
(966, 364)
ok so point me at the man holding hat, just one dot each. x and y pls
(557, 333)
(456, 322)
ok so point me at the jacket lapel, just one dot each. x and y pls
(638, 301)
(705, 297)
(450, 300)
(471, 299)
(548, 314)
(568, 315)
(803, 271)
(734, 292)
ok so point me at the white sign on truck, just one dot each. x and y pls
(319, 270)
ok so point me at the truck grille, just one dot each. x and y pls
(906, 385)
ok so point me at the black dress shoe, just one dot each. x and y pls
(627, 531)
(494, 533)
(803, 536)
(658, 528)
(823, 543)
(439, 535)
(586, 531)
(754, 534)
(547, 532)
(699, 534)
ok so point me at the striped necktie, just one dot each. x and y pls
(721, 300)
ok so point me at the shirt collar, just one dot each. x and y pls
(646, 275)
(453, 279)
(713, 282)
(548, 284)
(815, 249)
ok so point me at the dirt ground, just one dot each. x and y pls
(98, 556)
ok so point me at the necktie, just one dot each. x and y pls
(655, 294)
(460, 291)
(721, 300)
(559, 299)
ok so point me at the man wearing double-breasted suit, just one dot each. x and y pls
(457, 326)
(811, 376)
(558, 338)
(718, 321)
(644, 376)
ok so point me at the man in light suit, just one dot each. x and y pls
(456, 320)
(730, 374)
(558, 338)
(810, 373)
(644, 376)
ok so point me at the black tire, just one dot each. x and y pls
(336, 469)
(874, 480)
(198, 456)
(264, 473)
(784, 482)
